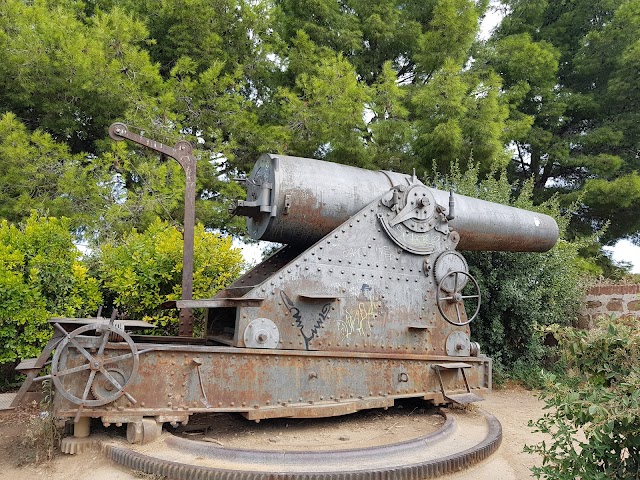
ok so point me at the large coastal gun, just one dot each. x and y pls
(369, 301)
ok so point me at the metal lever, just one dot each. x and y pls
(451, 215)
(182, 153)
(198, 361)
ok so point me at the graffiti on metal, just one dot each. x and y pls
(357, 321)
(308, 333)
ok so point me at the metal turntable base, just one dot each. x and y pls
(466, 437)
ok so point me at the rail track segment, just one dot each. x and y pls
(464, 439)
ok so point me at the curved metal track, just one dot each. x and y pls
(411, 470)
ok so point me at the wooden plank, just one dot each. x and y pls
(38, 364)
(27, 364)
(6, 401)
(464, 398)
(144, 340)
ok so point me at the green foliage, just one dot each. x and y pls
(521, 292)
(38, 173)
(450, 33)
(594, 409)
(389, 126)
(461, 116)
(324, 111)
(573, 66)
(71, 75)
(206, 31)
(40, 277)
(143, 270)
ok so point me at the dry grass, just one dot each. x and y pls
(41, 436)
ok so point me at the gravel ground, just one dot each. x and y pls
(513, 406)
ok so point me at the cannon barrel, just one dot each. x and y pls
(298, 201)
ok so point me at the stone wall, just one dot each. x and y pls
(619, 300)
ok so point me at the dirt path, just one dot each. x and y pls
(514, 407)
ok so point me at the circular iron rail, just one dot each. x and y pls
(411, 471)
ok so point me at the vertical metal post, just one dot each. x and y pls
(188, 163)
(182, 153)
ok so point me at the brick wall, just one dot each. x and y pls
(619, 300)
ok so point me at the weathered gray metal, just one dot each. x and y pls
(182, 153)
(365, 305)
(297, 201)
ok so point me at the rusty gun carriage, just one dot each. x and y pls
(369, 301)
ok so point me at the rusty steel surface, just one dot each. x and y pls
(182, 152)
(174, 380)
(70, 323)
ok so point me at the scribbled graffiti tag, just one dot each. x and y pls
(356, 321)
(297, 316)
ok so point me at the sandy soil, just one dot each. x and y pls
(364, 429)
(513, 406)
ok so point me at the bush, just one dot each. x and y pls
(521, 292)
(144, 270)
(40, 277)
(594, 410)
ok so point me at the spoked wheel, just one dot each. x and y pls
(455, 296)
(104, 377)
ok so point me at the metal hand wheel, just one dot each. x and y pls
(96, 364)
(456, 297)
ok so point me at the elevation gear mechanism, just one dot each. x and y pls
(455, 296)
(80, 353)
(102, 387)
